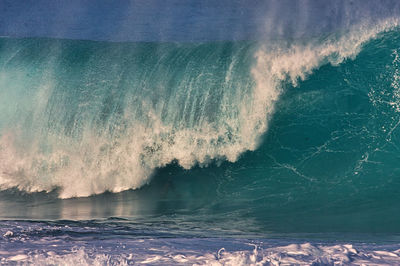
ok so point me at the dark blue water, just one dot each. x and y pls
(199, 132)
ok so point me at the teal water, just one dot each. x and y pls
(205, 138)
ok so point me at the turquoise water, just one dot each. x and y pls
(214, 139)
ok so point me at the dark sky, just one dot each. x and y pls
(185, 20)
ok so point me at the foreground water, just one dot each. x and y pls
(226, 152)
(120, 242)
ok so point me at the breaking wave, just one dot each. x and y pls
(87, 117)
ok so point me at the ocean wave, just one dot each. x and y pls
(88, 117)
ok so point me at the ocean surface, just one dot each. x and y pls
(200, 133)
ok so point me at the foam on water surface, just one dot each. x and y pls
(197, 252)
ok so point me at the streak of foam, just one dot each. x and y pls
(98, 163)
(396, 81)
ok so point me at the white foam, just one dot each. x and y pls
(20, 257)
(294, 254)
(8, 234)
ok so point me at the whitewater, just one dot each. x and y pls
(200, 133)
